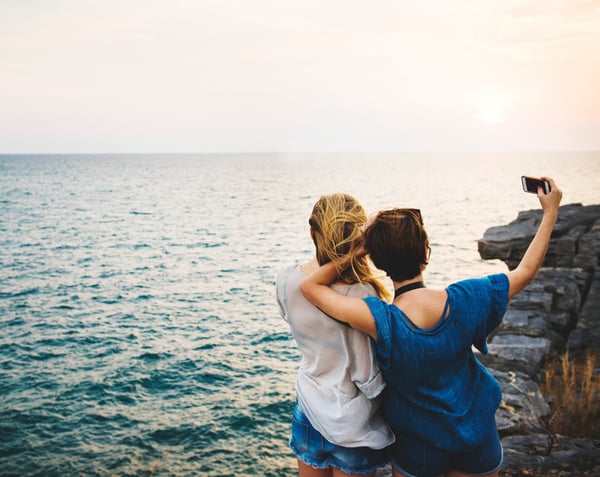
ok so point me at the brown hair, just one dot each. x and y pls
(398, 244)
(336, 223)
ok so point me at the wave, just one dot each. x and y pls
(20, 293)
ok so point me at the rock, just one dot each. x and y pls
(523, 322)
(506, 244)
(559, 311)
(589, 249)
(384, 472)
(509, 242)
(522, 406)
(521, 353)
(586, 335)
(533, 297)
(566, 285)
(547, 453)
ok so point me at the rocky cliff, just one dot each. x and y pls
(558, 312)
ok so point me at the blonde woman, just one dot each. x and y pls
(337, 427)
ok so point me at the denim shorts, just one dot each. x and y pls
(313, 449)
(416, 458)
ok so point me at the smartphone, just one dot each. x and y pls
(531, 184)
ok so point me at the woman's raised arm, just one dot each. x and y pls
(531, 262)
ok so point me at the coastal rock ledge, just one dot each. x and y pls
(558, 312)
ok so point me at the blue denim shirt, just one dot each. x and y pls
(437, 389)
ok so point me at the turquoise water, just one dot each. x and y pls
(140, 334)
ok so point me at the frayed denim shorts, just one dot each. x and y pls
(416, 458)
(313, 449)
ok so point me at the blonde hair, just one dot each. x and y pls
(336, 223)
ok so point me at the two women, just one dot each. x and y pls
(337, 426)
(441, 401)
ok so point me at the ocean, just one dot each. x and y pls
(139, 330)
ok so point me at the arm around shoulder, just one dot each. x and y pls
(354, 311)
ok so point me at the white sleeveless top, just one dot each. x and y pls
(339, 383)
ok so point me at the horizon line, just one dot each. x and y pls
(294, 152)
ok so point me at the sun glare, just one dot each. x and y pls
(490, 110)
(491, 107)
(489, 117)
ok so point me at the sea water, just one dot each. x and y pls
(139, 329)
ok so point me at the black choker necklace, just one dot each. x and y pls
(407, 288)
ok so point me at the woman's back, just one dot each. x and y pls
(424, 307)
(436, 385)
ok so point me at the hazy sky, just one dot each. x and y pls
(298, 75)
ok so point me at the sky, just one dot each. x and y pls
(298, 75)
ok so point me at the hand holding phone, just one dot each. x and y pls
(531, 184)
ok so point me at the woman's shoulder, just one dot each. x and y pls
(288, 268)
(288, 277)
(475, 295)
(480, 284)
(355, 290)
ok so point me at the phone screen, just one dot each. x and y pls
(531, 184)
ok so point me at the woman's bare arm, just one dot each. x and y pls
(354, 311)
(531, 262)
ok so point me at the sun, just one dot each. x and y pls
(491, 107)
(490, 117)
(490, 111)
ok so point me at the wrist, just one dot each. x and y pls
(550, 215)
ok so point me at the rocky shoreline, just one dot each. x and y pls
(558, 312)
